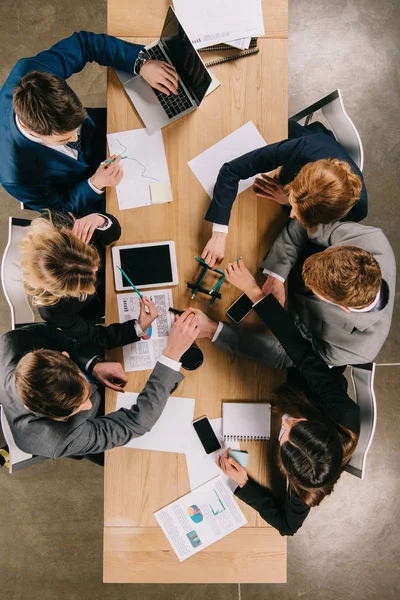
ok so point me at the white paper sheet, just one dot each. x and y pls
(145, 164)
(200, 518)
(171, 432)
(206, 165)
(201, 466)
(143, 354)
(209, 22)
(242, 44)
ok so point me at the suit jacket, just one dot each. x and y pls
(39, 176)
(292, 155)
(77, 319)
(87, 432)
(341, 338)
(327, 395)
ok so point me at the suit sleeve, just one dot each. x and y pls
(71, 54)
(286, 249)
(86, 332)
(258, 161)
(76, 198)
(286, 515)
(117, 428)
(325, 388)
(110, 235)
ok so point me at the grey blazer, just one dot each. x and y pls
(87, 432)
(339, 337)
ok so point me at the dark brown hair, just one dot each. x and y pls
(47, 105)
(345, 275)
(324, 191)
(49, 383)
(318, 449)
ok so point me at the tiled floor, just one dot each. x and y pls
(51, 515)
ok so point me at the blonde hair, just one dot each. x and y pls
(324, 191)
(56, 264)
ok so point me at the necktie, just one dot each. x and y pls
(76, 145)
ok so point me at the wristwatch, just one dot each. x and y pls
(142, 58)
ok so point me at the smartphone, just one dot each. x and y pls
(240, 309)
(206, 435)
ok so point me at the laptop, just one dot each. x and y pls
(155, 108)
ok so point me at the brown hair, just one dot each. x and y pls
(324, 191)
(49, 383)
(56, 263)
(47, 105)
(345, 275)
(318, 449)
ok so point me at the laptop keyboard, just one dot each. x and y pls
(172, 105)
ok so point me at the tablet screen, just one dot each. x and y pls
(148, 265)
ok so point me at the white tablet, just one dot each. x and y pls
(147, 265)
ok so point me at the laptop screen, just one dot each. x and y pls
(184, 57)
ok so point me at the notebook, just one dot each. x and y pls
(246, 421)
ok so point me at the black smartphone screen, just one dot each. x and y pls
(207, 436)
(240, 309)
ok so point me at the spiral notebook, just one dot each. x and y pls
(246, 421)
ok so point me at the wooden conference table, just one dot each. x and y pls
(137, 482)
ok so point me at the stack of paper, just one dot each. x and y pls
(209, 22)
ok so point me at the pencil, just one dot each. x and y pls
(111, 160)
(130, 283)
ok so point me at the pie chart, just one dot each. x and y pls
(195, 513)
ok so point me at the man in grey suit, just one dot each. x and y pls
(342, 301)
(52, 408)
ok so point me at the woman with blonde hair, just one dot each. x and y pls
(317, 179)
(62, 261)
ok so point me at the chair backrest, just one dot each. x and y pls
(342, 126)
(363, 382)
(18, 458)
(21, 311)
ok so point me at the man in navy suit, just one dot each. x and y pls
(51, 147)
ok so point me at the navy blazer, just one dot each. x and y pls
(305, 145)
(42, 177)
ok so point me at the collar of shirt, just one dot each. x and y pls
(368, 308)
(63, 148)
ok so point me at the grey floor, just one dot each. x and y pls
(51, 515)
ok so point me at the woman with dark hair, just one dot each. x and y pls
(319, 430)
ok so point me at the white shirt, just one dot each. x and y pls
(63, 148)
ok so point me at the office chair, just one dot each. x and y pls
(363, 381)
(342, 126)
(21, 311)
(18, 458)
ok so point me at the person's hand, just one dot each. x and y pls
(207, 327)
(214, 250)
(271, 188)
(108, 175)
(146, 318)
(84, 228)
(111, 374)
(183, 333)
(238, 275)
(232, 468)
(276, 288)
(160, 75)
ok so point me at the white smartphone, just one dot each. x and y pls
(240, 309)
(147, 265)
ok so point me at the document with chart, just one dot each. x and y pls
(200, 518)
(144, 354)
(146, 178)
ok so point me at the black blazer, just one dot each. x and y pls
(326, 393)
(77, 319)
(305, 145)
